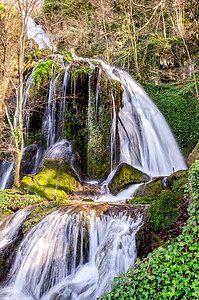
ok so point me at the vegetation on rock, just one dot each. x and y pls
(56, 181)
(126, 175)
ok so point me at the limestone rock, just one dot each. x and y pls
(126, 175)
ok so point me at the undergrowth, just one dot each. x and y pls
(11, 201)
(171, 271)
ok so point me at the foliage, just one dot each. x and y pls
(192, 186)
(147, 38)
(170, 272)
(11, 200)
(179, 106)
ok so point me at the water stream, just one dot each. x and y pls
(72, 255)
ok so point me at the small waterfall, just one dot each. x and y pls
(9, 233)
(5, 174)
(72, 255)
(36, 32)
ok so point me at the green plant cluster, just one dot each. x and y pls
(178, 104)
(42, 73)
(171, 271)
(11, 201)
(192, 187)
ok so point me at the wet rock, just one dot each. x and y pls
(125, 176)
(28, 159)
(144, 236)
(149, 189)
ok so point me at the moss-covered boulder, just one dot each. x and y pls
(193, 156)
(126, 175)
(165, 210)
(149, 189)
(177, 181)
(56, 180)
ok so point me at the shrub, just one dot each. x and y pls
(11, 201)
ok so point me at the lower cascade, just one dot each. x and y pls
(72, 254)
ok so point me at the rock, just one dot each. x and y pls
(56, 181)
(193, 156)
(126, 175)
(28, 159)
(165, 210)
(177, 181)
(149, 189)
(143, 236)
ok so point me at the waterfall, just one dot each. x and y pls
(145, 140)
(6, 170)
(73, 255)
(36, 32)
(9, 233)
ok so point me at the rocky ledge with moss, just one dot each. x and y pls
(126, 175)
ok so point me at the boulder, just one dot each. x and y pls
(193, 156)
(149, 189)
(57, 180)
(165, 210)
(176, 181)
(126, 175)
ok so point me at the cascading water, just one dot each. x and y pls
(9, 233)
(146, 141)
(72, 255)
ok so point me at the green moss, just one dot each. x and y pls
(142, 200)
(56, 180)
(149, 189)
(41, 211)
(165, 210)
(87, 200)
(177, 182)
(125, 176)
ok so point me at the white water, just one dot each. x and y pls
(146, 141)
(72, 256)
(9, 233)
(6, 170)
(37, 33)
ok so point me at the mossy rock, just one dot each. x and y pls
(149, 189)
(56, 180)
(126, 175)
(165, 210)
(87, 200)
(39, 213)
(142, 200)
(193, 156)
(177, 181)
